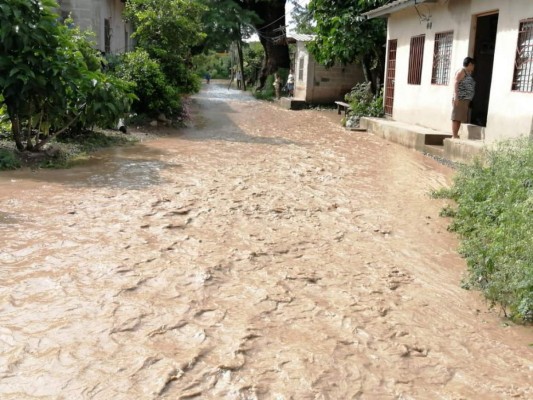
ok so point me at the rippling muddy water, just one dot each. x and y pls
(261, 254)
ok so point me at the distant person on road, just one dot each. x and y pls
(207, 77)
(463, 92)
(277, 85)
(290, 84)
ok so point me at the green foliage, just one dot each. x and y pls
(154, 93)
(226, 21)
(168, 30)
(216, 64)
(363, 102)
(302, 18)
(49, 75)
(8, 160)
(342, 36)
(494, 218)
(253, 55)
(230, 20)
(268, 92)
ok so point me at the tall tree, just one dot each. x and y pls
(301, 17)
(229, 19)
(343, 36)
(271, 31)
(168, 30)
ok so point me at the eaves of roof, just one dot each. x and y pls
(388, 9)
(300, 37)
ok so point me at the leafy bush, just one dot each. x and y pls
(154, 93)
(268, 92)
(363, 102)
(217, 64)
(50, 77)
(168, 30)
(494, 218)
(8, 160)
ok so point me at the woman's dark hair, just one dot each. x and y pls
(468, 60)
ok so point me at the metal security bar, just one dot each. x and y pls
(416, 58)
(442, 55)
(391, 73)
(523, 71)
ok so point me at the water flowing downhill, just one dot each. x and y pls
(261, 253)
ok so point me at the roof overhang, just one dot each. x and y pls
(298, 37)
(395, 6)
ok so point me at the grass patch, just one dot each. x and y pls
(494, 218)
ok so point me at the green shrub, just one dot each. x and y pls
(154, 93)
(494, 218)
(268, 92)
(50, 77)
(363, 102)
(8, 160)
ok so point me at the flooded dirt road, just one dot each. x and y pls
(261, 254)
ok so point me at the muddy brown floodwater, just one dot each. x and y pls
(260, 254)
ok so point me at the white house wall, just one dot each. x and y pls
(91, 14)
(321, 84)
(301, 83)
(510, 114)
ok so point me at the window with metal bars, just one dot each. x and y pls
(301, 69)
(523, 70)
(416, 58)
(442, 55)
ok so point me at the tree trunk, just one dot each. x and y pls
(241, 64)
(15, 130)
(271, 31)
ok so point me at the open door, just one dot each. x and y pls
(485, 42)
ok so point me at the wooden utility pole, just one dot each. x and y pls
(241, 63)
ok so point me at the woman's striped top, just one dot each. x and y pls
(467, 87)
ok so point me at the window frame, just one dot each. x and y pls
(416, 59)
(524, 36)
(301, 64)
(442, 58)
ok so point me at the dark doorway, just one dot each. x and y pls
(486, 29)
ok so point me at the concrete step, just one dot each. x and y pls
(436, 150)
(435, 139)
(427, 140)
(290, 103)
(472, 132)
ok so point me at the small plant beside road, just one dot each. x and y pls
(494, 217)
(363, 103)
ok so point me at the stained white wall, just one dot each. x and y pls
(91, 14)
(320, 84)
(510, 113)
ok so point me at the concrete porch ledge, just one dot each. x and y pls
(426, 140)
(463, 151)
(290, 103)
(412, 136)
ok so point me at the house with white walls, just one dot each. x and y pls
(316, 84)
(104, 18)
(427, 41)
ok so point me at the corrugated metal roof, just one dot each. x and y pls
(300, 37)
(397, 5)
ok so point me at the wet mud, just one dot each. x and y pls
(260, 254)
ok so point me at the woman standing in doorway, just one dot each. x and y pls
(463, 93)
